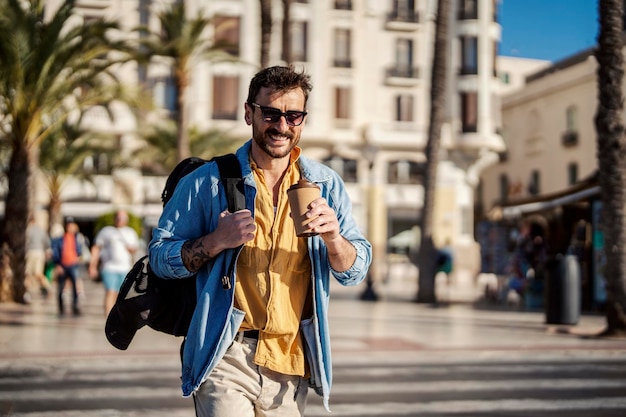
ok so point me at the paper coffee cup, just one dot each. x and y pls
(300, 195)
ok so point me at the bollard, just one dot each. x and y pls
(563, 292)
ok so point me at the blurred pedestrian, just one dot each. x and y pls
(66, 252)
(112, 256)
(38, 250)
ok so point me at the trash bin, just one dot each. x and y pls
(563, 292)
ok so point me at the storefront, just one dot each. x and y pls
(569, 223)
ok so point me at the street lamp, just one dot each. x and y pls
(369, 153)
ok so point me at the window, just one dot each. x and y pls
(405, 172)
(504, 187)
(227, 34)
(342, 103)
(469, 112)
(404, 55)
(534, 185)
(403, 67)
(572, 173)
(225, 97)
(468, 9)
(346, 168)
(299, 41)
(404, 108)
(164, 93)
(469, 55)
(570, 136)
(97, 163)
(571, 119)
(404, 11)
(342, 48)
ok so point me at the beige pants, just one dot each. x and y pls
(239, 388)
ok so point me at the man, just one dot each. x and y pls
(259, 335)
(66, 252)
(112, 256)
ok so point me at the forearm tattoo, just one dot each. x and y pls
(195, 255)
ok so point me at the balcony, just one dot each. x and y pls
(468, 70)
(402, 20)
(343, 5)
(569, 139)
(342, 63)
(401, 75)
(470, 14)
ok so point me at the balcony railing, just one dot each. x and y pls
(343, 5)
(468, 70)
(467, 14)
(569, 138)
(342, 63)
(408, 16)
(402, 72)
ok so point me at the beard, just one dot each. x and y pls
(265, 143)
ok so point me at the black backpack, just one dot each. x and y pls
(167, 305)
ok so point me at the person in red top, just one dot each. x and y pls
(66, 252)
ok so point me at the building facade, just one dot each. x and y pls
(549, 132)
(370, 63)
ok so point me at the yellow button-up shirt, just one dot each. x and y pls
(274, 278)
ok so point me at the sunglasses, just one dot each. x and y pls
(272, 115)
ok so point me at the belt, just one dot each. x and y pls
(251, 334)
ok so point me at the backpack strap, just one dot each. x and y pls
(230, 173)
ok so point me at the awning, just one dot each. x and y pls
(583, 190)
(520, 209)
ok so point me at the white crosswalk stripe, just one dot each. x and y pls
(575, 387)
(571, 388)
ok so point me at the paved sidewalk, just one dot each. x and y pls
(51, 366)
(394, 324)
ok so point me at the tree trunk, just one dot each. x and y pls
(183, 147)
(266, 32)
(17, 209)
(611, 159)
(427, 256)
(286, 32)
(54, 209)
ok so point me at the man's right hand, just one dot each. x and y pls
(233, 230)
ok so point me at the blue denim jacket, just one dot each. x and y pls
(193, 212)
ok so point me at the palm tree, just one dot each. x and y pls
(50, 68)
(427, 256)
(286, 32)
(183, 43)
(266, 32)
(158, 156)
(611, 159)
(62, 156)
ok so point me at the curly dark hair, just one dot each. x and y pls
(279, 78)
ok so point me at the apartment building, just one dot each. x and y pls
(549, 132)
(370, 62)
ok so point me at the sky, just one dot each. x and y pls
(547, 29)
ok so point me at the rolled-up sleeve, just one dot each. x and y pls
(186, 216)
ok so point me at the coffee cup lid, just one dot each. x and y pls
(303, 183)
